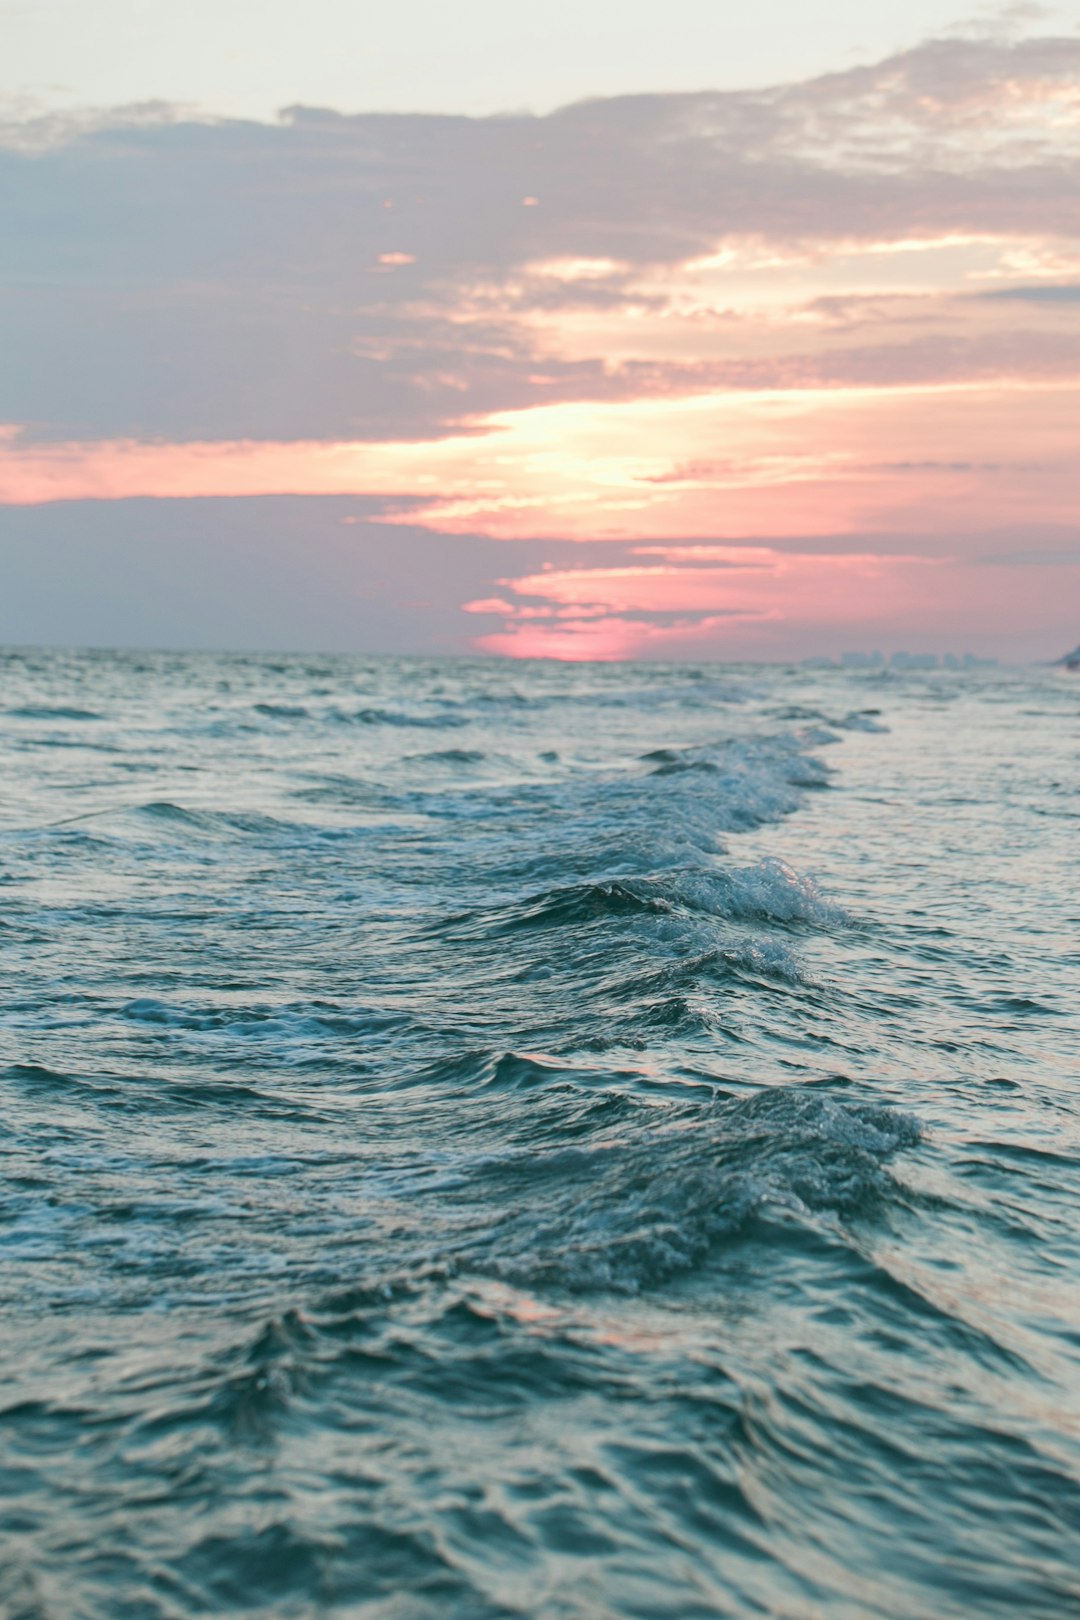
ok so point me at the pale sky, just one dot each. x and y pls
(252, 57)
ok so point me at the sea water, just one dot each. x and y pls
(487, 1140)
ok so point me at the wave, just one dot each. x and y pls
(163, 812)
(399, 717)
(452, 756)
(583, 903)
(647, 1206)
(749, 782)
(769, 890)
(44, 711)
(509, 1072)
(294, 1025)
(283, 711)
(862, 720)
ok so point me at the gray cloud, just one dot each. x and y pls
(1045, 293)
(1032, 557)
(288, 573)
(160, 276)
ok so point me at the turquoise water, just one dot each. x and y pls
(493, 1139)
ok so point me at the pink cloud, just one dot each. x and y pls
(604, 638)
(488, 604)
(778, 600)
(729, 584)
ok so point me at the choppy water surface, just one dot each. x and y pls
(521, 1140)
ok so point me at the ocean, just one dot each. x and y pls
(489, 1139)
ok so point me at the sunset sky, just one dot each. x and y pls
(628, 331)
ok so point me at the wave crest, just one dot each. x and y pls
(636, 1212)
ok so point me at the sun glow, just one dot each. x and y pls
(752, 464)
